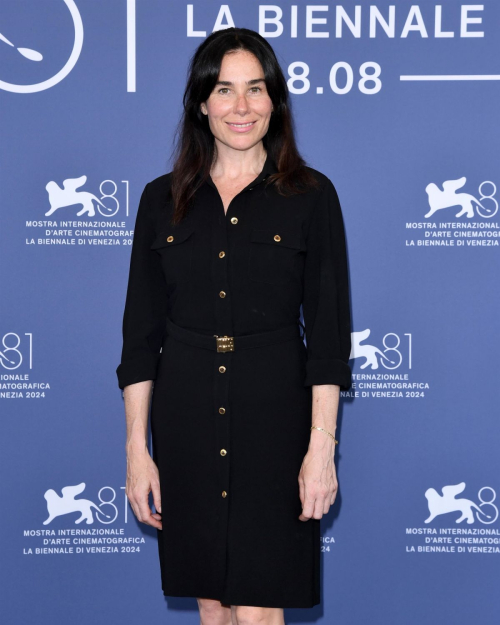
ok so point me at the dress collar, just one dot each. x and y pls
(268, 169)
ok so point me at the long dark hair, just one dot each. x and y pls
(195, 148)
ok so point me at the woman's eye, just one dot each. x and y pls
(258, 88)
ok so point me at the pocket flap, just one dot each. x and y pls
(284, 237)
(172, 236)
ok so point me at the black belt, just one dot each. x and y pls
(231, 343)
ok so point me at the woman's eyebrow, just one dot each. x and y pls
(228, 83)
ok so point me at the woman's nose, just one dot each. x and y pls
(241, 103)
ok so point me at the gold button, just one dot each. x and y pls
(170, 238)
(222, 369)
(234, 220)
(277, 237)
(224, 494)
(223, 452)
(222, 410)
(222, 254)
(222, 294)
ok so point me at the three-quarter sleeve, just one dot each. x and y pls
(325, 304)
(145, 304)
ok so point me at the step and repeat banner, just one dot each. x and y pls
(397, 103)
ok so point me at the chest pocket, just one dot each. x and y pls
(276, 254)
(175, 246)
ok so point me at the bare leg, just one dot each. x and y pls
(213, 612)
(250, 615)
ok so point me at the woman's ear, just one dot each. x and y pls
(203, 108)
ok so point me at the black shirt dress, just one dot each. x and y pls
(230, 428)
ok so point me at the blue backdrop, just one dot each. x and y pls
(398, 105)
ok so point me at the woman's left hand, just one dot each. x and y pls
(318, 479)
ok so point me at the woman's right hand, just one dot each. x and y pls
(143, 478)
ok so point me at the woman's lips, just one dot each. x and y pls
(241, 128)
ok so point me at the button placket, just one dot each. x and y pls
(221, 371)
(227, 225)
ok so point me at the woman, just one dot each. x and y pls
(226, 248)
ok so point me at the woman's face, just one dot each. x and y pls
(239, 107)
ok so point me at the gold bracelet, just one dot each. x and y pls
(317, 428)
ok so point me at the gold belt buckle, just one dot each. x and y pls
(225, 343)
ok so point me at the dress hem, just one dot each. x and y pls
(266, 604)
